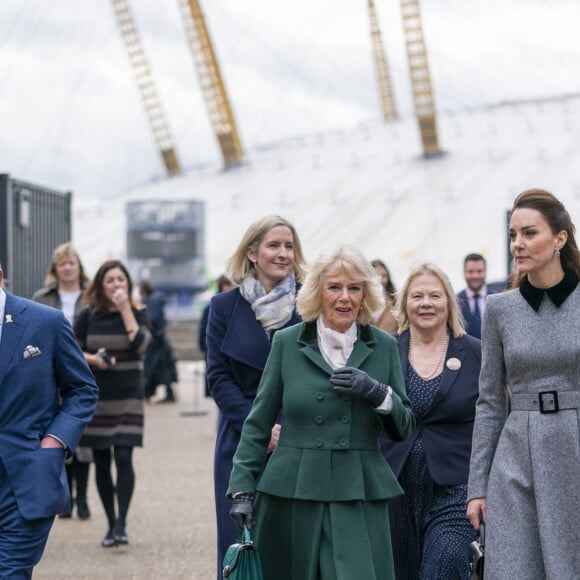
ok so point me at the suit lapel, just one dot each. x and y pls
(13, 327)
(309, 346)
(403, 340)
(449, 376)
(245, 340)
(359, 354)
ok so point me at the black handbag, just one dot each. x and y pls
(476, 555)
(241, 561)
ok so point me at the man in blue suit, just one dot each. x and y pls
(48, 395)
(472, 299)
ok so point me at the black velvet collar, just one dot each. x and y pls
(557, 294)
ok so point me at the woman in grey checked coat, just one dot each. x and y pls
(524, 477)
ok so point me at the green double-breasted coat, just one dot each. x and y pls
(327, 459)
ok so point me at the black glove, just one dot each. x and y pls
(356, 382)
(242, 511)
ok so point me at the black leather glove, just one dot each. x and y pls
(356, 382)
(242, 511)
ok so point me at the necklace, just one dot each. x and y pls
(439, 360)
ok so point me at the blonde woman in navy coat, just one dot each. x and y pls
(321, 513)
(267, 265)
(441, 365)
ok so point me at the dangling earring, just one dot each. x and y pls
(557, 253)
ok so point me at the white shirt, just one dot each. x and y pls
(68, 301)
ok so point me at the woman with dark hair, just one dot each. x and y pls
(268, 266)
(113, 333)
(525, 462)
(386, 319)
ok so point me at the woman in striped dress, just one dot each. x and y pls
(113, 334)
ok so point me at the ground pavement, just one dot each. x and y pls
(171, 524)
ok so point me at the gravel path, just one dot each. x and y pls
(171, 523)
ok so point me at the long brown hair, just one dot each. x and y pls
(558, 218)
(96, 292)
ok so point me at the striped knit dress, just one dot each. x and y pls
(118, 418)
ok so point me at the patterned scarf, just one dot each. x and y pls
(273, 310)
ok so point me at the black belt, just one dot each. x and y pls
(546, 401)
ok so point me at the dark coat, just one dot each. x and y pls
(159, 361)
(447, 427)
(472, 325)
(237, 349)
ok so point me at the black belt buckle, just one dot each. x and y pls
(548, 402)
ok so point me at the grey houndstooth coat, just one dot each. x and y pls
(527, 464)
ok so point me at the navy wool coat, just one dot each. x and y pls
(447, 427)
(237, 349)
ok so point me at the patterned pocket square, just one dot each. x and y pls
(31, 351)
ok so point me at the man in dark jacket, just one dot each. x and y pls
(159, 363)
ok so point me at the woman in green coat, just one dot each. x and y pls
(321, 513)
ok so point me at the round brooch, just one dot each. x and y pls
(453, 364)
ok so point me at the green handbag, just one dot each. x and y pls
(241, 561)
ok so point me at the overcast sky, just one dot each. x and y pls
(71, 116)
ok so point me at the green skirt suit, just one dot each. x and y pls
(321, 512)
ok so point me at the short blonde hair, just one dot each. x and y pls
(454, 318)
(356, 266)
(239, 265)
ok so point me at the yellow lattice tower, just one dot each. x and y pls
(142, 69)
(212, 85)
(383, 76)
(420, 78)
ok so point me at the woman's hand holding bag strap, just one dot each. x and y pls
(242, 511)
(476, 555)
(241, 561)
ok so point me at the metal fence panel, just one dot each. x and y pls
(33, 220)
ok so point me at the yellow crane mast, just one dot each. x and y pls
(420, 78)
(142, 69)
(382, 69)
(212, 84)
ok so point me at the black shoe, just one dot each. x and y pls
(168, 400)
(109, 540)
(121, 536)
(83, 509)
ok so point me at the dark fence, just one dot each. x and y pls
(33, 220)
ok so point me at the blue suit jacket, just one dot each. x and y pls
(52, 392)
(472, 326)
(447, 426)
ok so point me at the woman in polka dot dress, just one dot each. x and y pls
(441, 364)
